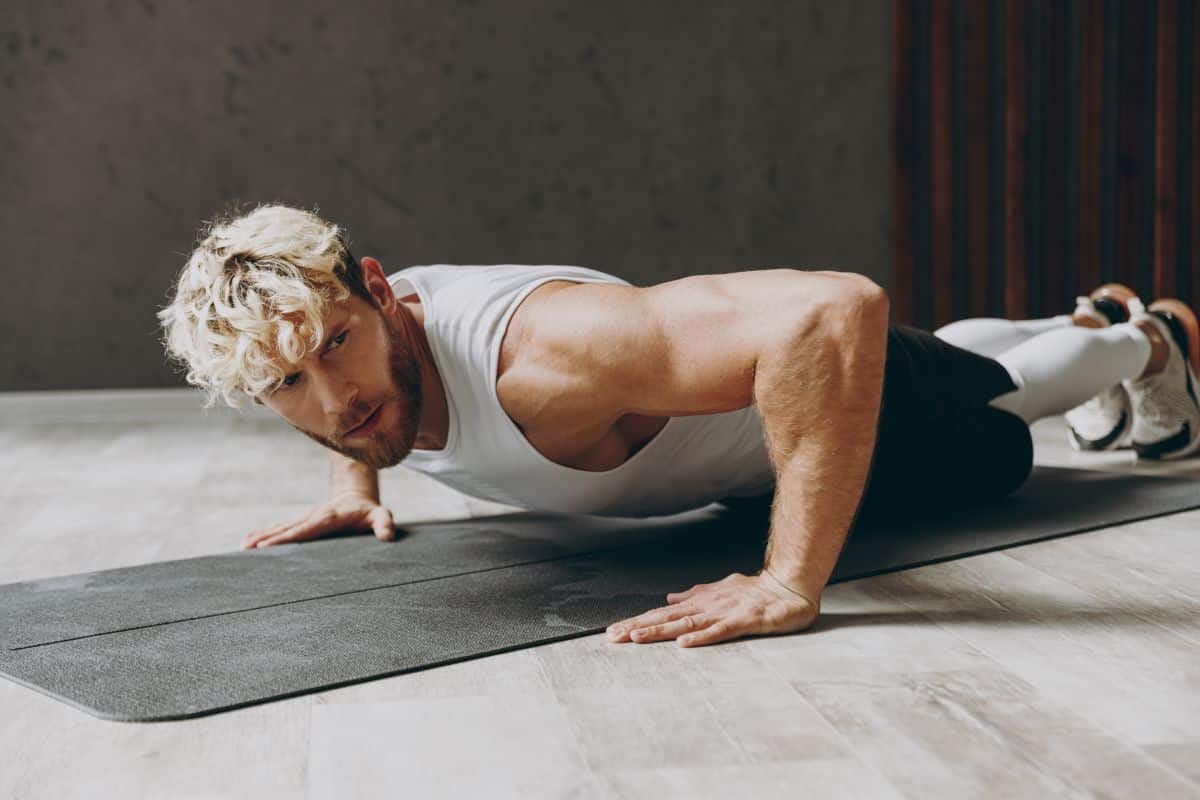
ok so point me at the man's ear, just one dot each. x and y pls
(376, 282)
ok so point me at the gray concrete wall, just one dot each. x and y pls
(648, 139)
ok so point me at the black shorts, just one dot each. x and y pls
(939, 443)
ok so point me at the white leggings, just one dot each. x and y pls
(1055, 364)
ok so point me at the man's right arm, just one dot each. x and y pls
(348, 475)
(353, 506)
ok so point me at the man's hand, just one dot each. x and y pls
(347, 511)
(739, 605)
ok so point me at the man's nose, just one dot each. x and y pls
(336, 394)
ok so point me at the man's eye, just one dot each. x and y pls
(290, 379)
(341, 337)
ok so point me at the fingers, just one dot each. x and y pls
(620, 631)
(309, 526)
(252, 538)
(323, 520)
(717, 632)
(381, 523)
(688, 623)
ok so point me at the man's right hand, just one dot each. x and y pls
(348, 511)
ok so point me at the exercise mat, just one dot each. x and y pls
(185, 638)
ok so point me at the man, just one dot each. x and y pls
(567, 389)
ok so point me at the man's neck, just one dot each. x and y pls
(434, 428)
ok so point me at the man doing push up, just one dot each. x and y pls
(563, 388)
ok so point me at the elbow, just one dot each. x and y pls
(872, 299)
(864, 303)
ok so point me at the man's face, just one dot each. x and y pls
(366, 368)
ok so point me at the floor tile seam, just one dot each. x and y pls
(848, 745)
(1040, 691)
(1087, 590)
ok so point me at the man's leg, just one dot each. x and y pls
(1149, 356)
(990, 336)
(1104, 421)
(1062, 368)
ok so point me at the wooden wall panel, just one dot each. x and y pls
(1166, 131)
(1042, 148)
(1194, 217)
(978, 131)
(1016, 133)
(1091, 121)
(941, 191)
(1053, 266)
(903, 272)
(1131, 110)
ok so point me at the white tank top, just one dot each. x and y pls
(691, 462)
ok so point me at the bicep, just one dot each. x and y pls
(692, 345)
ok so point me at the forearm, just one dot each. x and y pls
(819, 399)
(348, 475)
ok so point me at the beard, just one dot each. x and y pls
(384, 448)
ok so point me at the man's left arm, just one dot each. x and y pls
(819, 398)
(818, 394)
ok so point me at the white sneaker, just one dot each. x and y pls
(1166, 412)
(1106, 421)
(1103, 423)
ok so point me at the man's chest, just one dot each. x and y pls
(558, 417)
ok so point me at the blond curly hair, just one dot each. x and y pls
(251, 298)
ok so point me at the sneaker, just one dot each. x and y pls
(1106, 421)
(1166, 412)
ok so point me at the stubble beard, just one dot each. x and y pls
(384, 448)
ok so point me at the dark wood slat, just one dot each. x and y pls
(1033, 162)
(1166, 131)
(1130, 109)
(1016, 130)
(941, 199)
(1108, 140)
(903, 154)
(978, 130)
(958, 163)
(1185, 155)
(997, 143)
(1091, 96)
(1071, 105)
(1054, 159)
(1195, 160)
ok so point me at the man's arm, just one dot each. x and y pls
(348, 475)
(807, 347)
(819, 397)
(353, 505)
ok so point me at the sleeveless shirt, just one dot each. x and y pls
(693, 461)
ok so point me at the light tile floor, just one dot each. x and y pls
(1063, 668)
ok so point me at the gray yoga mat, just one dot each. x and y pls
(185, 638)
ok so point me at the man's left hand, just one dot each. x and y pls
(738, 605)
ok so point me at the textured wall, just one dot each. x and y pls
(650, 140)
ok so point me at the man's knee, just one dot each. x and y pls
(1003, 459)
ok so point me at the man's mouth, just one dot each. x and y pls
(365, 424)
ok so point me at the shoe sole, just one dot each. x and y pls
(1191, 327)
(1161, 450)
(1189, 440)
(1117, 438)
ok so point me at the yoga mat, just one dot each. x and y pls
(180, 639)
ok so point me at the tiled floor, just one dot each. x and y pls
(1063, 668)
